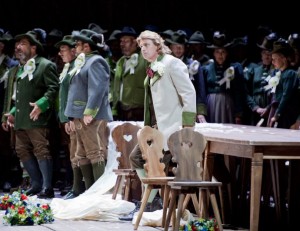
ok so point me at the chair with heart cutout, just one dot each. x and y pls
(125, 138)
(187, 147)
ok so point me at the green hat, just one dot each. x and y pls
(67, 40)
(197, 38)
(33, 38)
(178, 37)
(91, 37)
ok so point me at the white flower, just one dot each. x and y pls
(158, 67)
(273, 82)
(193, 68)
(79, 62)
(29, 68)
(228, 76)
(133, 62)
(229, 73)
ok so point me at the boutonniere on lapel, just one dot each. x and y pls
(28, 69)
(272, 82)
(133, 62)
(64, 72)
(156, 69)
(228, 76)
(193, 69)
(79, 62)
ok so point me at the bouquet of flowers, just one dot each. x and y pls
(201, 224)
(23, 210)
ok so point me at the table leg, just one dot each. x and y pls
(256, 179)
(208, 167)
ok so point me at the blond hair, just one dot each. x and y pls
(157, 41)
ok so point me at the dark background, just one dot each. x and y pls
(238, 18)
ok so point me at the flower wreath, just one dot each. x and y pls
(201, 224)
(156, 69)
(24, 210)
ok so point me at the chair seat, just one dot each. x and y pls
(157, 180)
(124, 172)
(194, 184)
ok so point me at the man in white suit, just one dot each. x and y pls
(170, 98)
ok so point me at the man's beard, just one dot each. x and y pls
(22, 58)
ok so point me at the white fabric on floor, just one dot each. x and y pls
(96, 203)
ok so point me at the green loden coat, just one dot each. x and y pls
(42, 89)
(132, 85)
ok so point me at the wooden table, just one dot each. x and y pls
(256, 143)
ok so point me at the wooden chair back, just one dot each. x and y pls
(151, 143)
(125, 138)
(186, 147)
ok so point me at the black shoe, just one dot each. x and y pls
(129, 216)
(70, 195)
(46, 193)
(32, 191)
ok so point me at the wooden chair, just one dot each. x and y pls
(186, 147)
(125, 138)
(150, 141)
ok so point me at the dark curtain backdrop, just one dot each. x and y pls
(67, 15)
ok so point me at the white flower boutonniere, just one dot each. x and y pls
(193, 69)
(79, 62)
(64, 72)
(158, 67)
(228, 76)
(133, 62)
(29, 68)
(273, 82)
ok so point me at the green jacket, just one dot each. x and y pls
(63, 95)
(131, 85)
(42, 90)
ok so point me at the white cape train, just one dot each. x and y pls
(96, 203)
